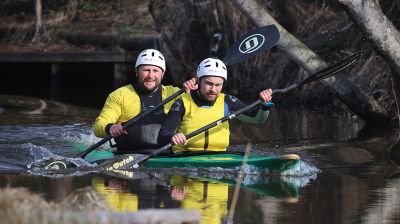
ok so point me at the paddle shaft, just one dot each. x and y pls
(325, 73)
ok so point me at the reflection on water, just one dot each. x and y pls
(288, 125)
(387, 198)
(344, 178)
(210, 196)
(117, 194)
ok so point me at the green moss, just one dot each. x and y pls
(126, 31)
(87, 6)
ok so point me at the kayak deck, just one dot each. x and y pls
(223, 160)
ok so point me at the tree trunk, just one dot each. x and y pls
(386, 39)
(38, 12)
(384, 35)
(350, 94)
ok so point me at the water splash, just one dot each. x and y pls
(84, 137)
(301, 169)
(42, 156)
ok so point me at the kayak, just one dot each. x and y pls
(226, 160)
(203, 160)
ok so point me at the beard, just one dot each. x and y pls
(149, 85)
(208, 96)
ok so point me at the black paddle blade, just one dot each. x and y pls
(333, 69)
(252, 43)
(123, 162)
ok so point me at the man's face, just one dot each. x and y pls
(210, 87)
(149, 76)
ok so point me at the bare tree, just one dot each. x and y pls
(41, 33)
(386, 39)
(384, 35)
(38, 13)
(349, 93)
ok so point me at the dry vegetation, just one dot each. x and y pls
(18, 205)
(121, 18)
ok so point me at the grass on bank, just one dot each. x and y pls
(18, 205)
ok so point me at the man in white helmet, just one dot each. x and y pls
(204, 106)
(129, 101)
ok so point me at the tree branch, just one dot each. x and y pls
(384, 35)
(350, 94)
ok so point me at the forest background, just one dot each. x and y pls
(314, 34)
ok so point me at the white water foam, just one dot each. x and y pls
(301, 169)
(41, 155)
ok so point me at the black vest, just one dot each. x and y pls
(143, 134)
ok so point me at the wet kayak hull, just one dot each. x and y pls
(223, 160)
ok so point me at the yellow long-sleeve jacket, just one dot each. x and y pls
(122, 105)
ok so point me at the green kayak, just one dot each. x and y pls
(223, 160)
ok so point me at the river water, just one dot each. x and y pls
(344, 175)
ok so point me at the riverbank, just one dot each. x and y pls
(85, 205)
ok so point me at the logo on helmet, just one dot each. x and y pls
(251, 43)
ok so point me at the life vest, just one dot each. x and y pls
(214, 139)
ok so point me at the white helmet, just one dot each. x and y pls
(212, 67)
(151, 57)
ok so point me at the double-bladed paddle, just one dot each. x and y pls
(127, 161)
(248, 45)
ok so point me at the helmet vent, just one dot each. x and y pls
(151, 57)
(212, 67)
